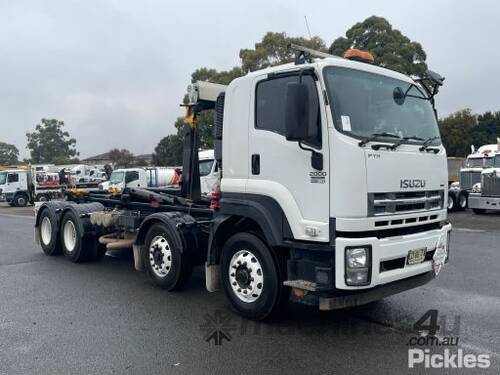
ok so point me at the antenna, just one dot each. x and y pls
(307, 26)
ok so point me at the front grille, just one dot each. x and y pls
(490, 186)
(468, 179)
(394, 203)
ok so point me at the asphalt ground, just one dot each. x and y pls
(103, 318)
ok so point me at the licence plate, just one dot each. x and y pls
(416, 256)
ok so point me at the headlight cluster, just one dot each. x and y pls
(357, 265)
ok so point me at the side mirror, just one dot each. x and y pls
(297, 112)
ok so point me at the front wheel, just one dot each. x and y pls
(462, 201)
(452, 204)
(21, 200)
(252, 277)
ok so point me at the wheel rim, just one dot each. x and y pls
(463, 201)
(69, 233)
(46, 230)
(21, 201)
(160, 256)
(246, 276)
(43, 198)
(450, 203)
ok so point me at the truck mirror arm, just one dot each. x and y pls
(316, 157)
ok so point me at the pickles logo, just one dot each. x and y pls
(410, 184)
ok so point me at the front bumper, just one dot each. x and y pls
(486, 203)
(318, 278)
(389, 256)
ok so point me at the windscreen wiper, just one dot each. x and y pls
(376, 136)
(404, 139)
(427, 143)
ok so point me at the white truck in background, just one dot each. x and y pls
(158, 177)
(486, 194)
(19, 187)
(470, 176)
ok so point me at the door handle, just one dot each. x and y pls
(255, 164)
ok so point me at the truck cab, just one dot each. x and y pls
(14, 187)
(486, 194)
(331, 155)
(127, 177)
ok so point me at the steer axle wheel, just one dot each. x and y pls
(167, 265)
(252, 276)
(21, 200)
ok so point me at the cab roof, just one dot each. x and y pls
(320, 63)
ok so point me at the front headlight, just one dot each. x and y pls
(357, 265)
(476, 188)
(357, 257)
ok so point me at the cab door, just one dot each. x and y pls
(281, 169)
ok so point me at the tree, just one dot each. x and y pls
(122, 158)
(390, 48)
(49, 143)
(455, 132)
(9, 154)
(168, 152)
(273, 50)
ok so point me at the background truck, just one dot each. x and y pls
(154, 177)
(470, 175)
(19, 187)
(486, 195)
(158, 177)
(332, 191)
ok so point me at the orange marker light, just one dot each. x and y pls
(358, 55)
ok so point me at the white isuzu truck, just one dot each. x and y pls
(333, 184)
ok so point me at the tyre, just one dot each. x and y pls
(252, 277)
(49, 240)
(452, 202)
(165, 264)
(42, 198)
(462, 200)
(21, 200)
(479, 211)
(77, 246)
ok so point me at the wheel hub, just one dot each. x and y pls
(160, 256)
(246, 276)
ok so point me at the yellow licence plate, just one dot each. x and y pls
(416, 256)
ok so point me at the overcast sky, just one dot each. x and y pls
(115, 70)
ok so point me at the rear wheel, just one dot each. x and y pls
(77, 246)
(167, 266)
(51, 245)
(252, 277)
(479, 211)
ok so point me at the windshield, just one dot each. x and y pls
(488, 162)
(366, 103)
(116, 177)
(496, 162)
(475, 162)
(206, 167)
(3, 178)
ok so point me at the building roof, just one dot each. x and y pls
(104, 156)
